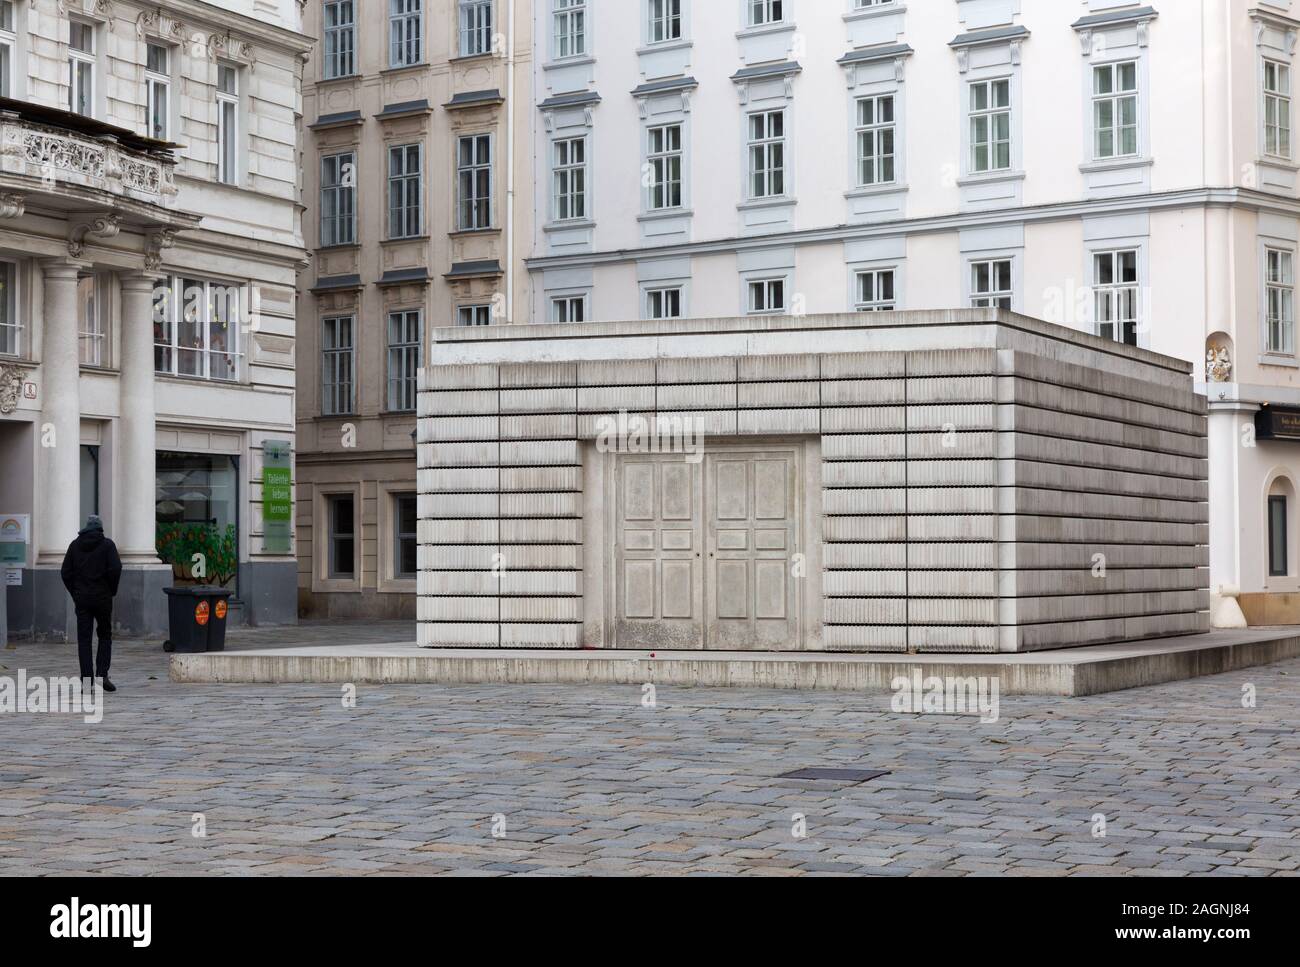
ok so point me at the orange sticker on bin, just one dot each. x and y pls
(220, 610)
(201, 612)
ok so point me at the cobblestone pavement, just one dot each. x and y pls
(587, 780)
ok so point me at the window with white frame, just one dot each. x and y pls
(340, 21)
(403, 358)
(158, 85)
(570, 18)
(664, 156)
(765, 12)
(338, 213)
(405, 190)
(1279, 301)
(863, 4)
(1115, 110)
(767, 154)
(11, 324)
(876, 140)
(766, 296)
(474, 182)
(405, 535)
(990, 125)
(990, 284)
(81, 68)
(338, 365)
(475, 27)
(875, 290)
(1115, 295)
(570, 179)
(8, 48)
(569, 308)
(196, 328)
(405, 32)
(91, 322)
(663, 302)
(227, 123)
(479, 315)
(1277, 109)
(665, 21)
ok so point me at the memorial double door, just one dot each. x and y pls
(704, 554)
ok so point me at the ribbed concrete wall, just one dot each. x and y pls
(1022, 493)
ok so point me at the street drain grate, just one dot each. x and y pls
(837, 775)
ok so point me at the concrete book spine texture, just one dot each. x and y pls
(1030, 488)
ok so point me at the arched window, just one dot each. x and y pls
(1281, 494)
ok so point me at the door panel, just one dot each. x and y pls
(750, 523)
(659, 554)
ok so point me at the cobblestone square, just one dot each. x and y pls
(488, 780)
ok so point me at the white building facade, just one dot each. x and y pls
(149, 246)
(1127, 169)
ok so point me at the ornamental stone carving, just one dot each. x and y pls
(100, 226)
(1218, 364)
(11, 387)
(12, 205)
(159, 240)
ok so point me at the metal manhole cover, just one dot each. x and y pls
(839, 775)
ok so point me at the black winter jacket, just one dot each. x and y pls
(91, 568)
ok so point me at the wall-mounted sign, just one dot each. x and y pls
(1277, 423)
(15, 534)
(277, 496)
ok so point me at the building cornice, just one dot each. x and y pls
(238, 24)
(1059, 211)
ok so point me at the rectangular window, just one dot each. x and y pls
(664, 303)
(8, 42)
(664, 155)
(990, 126)
(405, 29)
(1279, 287)
(81, 68)
(338, 213)
(990, 285)
(766, 296)
(340, 38)
(1277, 109)
(405, 190)
(474, 315)
(196, 328)
(338, 365)
(475, 27)
(876, 140)
(875, 290)
(665, 21)
(227, 124)
(765, 12)
(569, 308)
(403, 359)
(11, 327)
(91, 323)
(767, 154)
(158, 82)
(1115, 110)
(405, 538)
(1115, 295)
(342, 536)
(474, 182)
(570, 28)
(570, 179)
(1277, 564)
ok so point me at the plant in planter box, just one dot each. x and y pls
(178, 543)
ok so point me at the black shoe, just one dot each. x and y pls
(109, 686)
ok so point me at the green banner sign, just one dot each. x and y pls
(277, 497)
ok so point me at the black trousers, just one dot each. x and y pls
(91, 613)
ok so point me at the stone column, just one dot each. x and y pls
(59, 481)
(135, 520)
(1228, 441)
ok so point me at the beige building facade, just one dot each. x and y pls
(418, 194)
(150, 241)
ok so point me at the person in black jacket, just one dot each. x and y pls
(91, 572)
